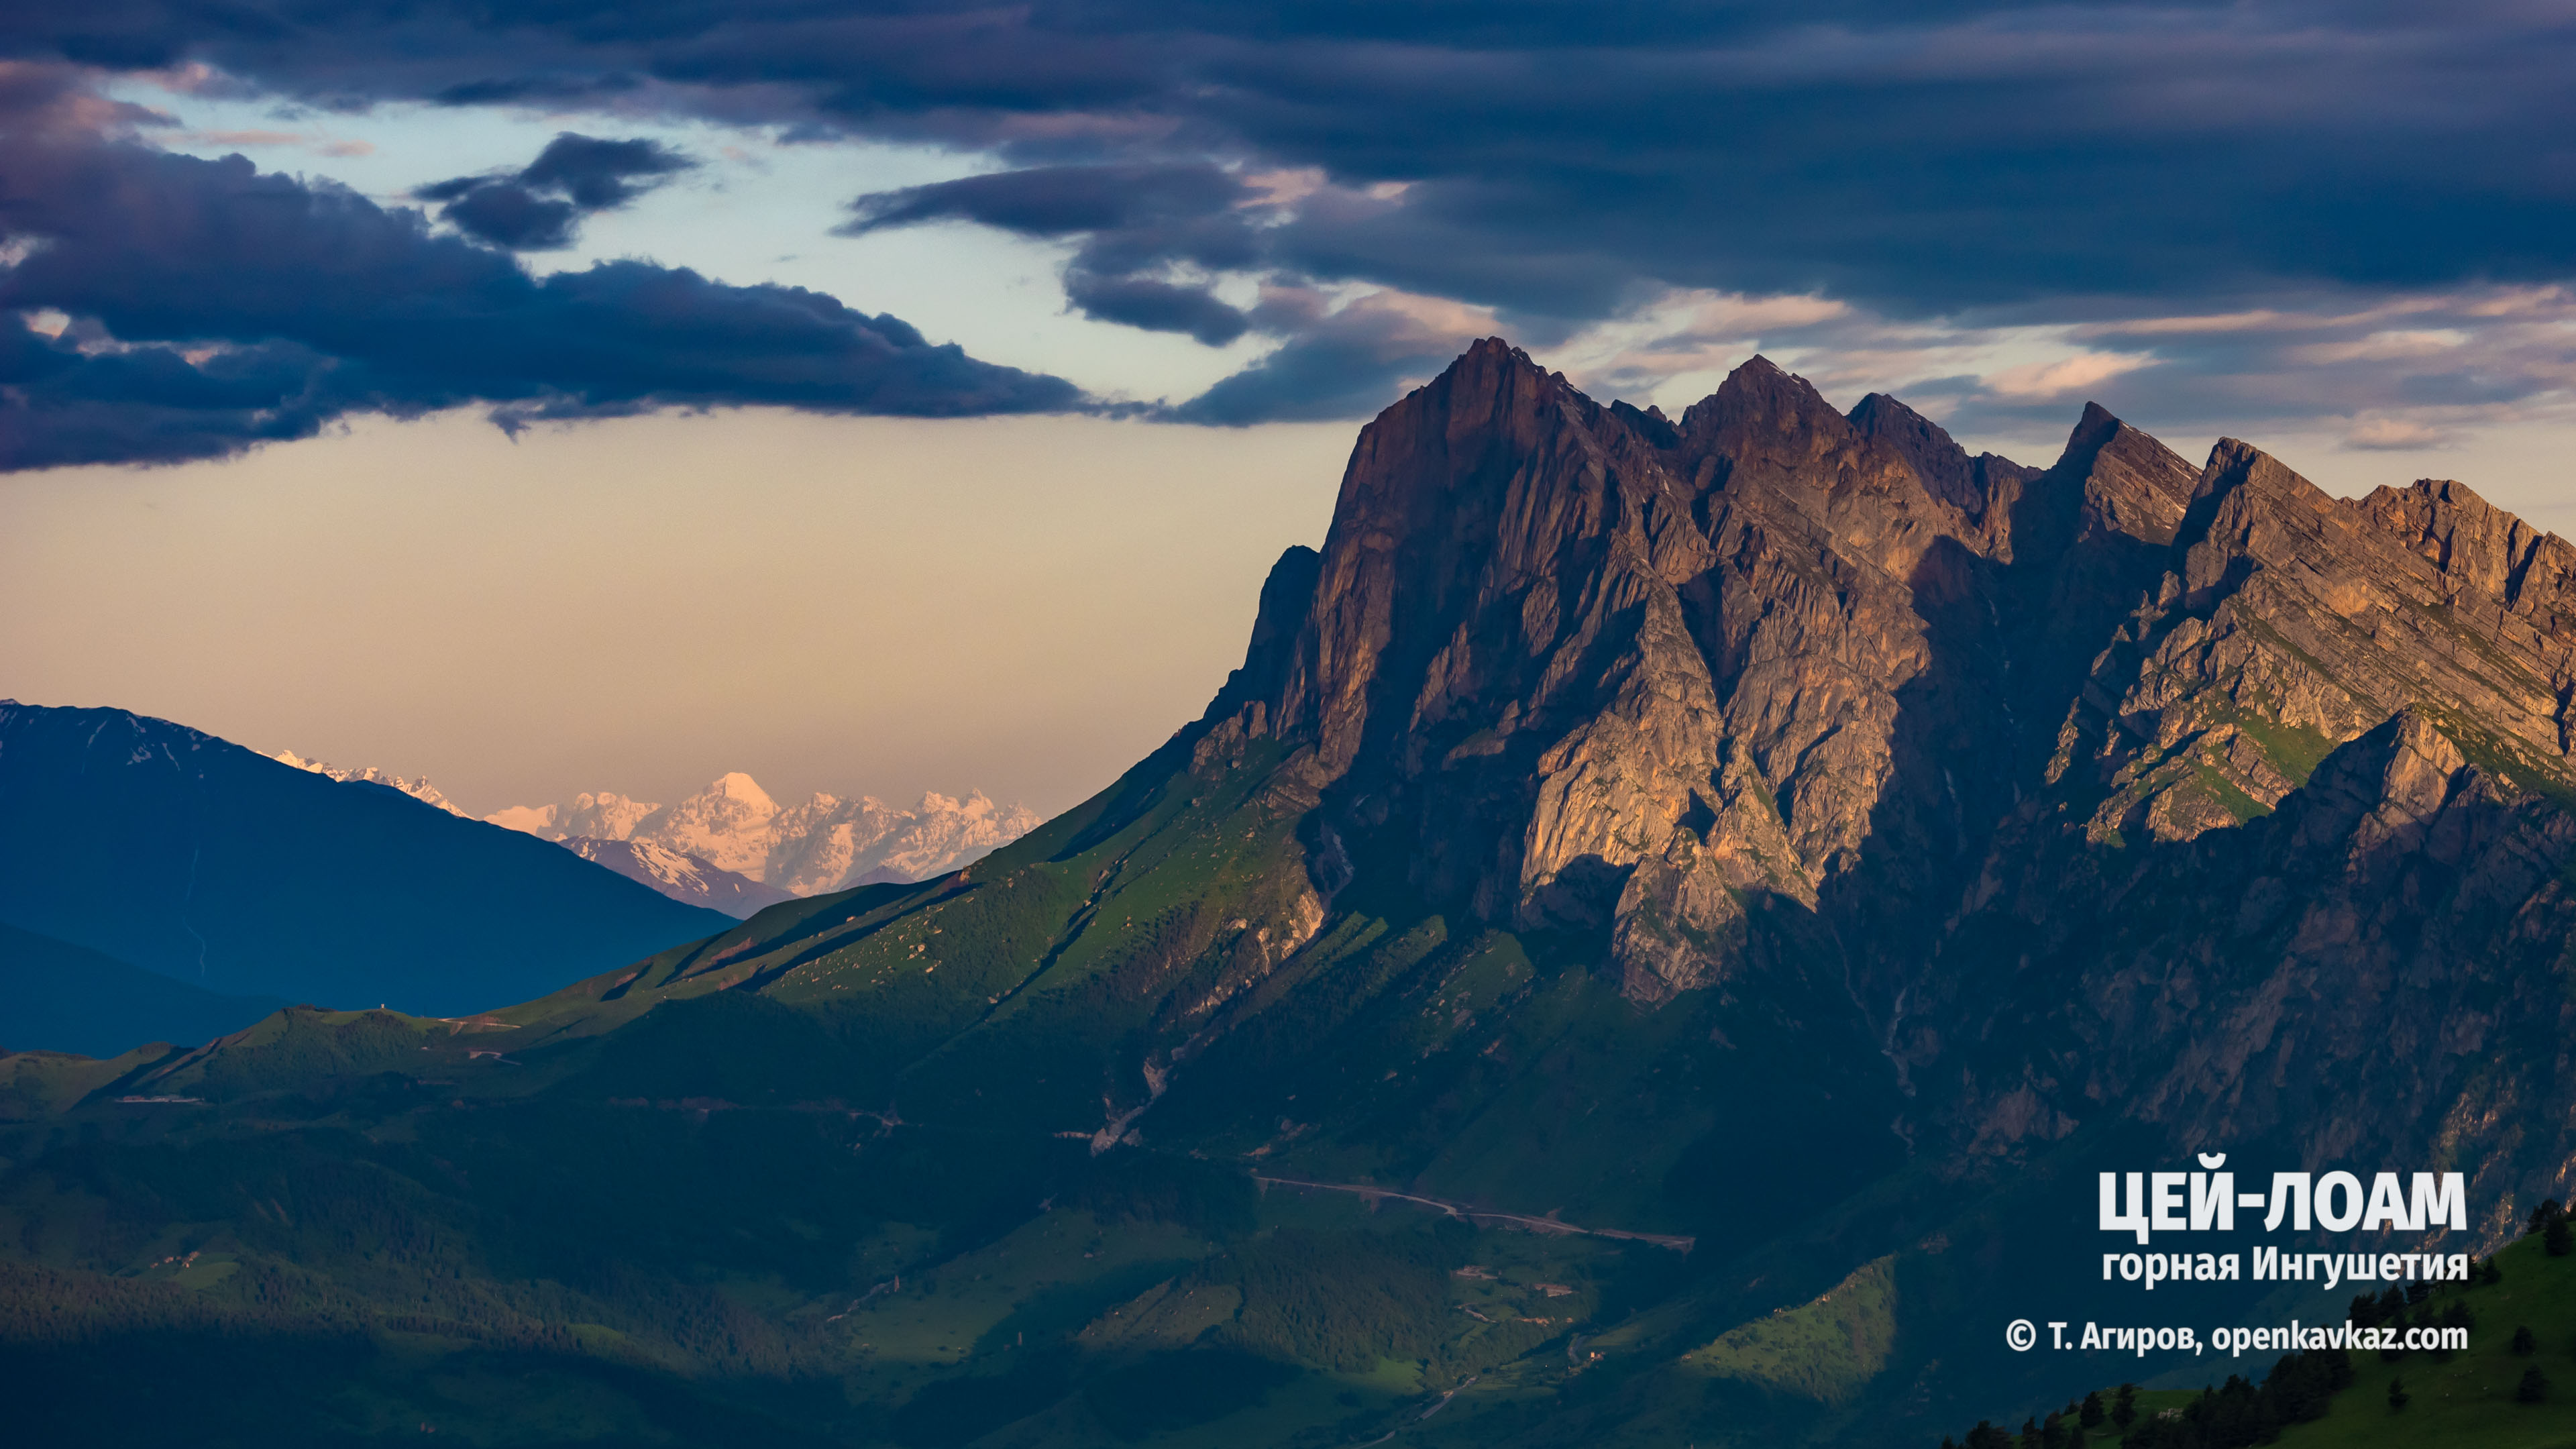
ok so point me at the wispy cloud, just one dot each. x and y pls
(319, 144)
(2041, 381)
(2393, 435)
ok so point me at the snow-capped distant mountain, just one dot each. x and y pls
(596, 828)
(681, 877)
(731, 822)
(824, 844)
(419, 789)
(595, 817)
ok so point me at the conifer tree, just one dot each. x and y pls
(2397, 1395)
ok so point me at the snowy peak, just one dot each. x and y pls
(528, 819)
(681, 877)
(824, 844)
(605, 816)
(727, 823)
(593, 817)
(419, 789)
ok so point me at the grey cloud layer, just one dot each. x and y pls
(539, 206)
(162, 307)
(1993, 162)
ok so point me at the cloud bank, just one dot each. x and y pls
(1940, 169)
(157, 307)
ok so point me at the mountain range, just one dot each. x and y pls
(681, 877)
(418, 788)
(1654, 946)
(179, 855)
(731, 848)
(823, 844)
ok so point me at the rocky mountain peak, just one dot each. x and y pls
(739, 786)
(2125, 483)
(419, 788)
(1982, 488)
(1567, 667)
(1759, 397)
(1552, 642)
(2480, 550)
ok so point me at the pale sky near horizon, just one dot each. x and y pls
(855, 605)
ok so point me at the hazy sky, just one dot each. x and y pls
(930, 387)
(859, 605)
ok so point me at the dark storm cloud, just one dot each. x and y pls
(538, 207)
(505, 214)
(1138, 221)
(1337, 362)
(598, 174)
(2010, 162)
(1056, 201)
(1156, 306)
(167, 307)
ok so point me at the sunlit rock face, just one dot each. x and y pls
(2121, 755)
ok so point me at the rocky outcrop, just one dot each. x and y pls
(2122, 782)
(1605, 671)
(2292, 621)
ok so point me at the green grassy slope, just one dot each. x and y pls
(1010, 1158)
(831, 1173)
(2471, 1398)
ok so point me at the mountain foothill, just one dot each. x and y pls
(1653, 947)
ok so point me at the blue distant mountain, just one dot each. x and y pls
(187, 855)
(64, 998)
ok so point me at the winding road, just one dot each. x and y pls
(1481, 1216)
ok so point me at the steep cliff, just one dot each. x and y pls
(1770, 680)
